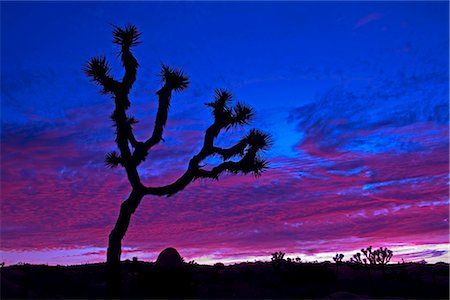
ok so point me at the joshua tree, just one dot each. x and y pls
(278, 256)
(133, 152)
(338, 260)
(356, 259)
(379, 256)
(277, 259)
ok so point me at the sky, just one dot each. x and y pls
(354, 94)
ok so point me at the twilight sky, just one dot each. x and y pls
(355, 95)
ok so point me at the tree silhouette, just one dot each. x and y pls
(132, 151)
(338, 260)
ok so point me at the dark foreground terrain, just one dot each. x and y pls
(246, 280)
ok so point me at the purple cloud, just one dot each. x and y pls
(367, 19)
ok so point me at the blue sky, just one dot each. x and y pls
(355, 95)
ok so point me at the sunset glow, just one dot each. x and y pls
(355, 95)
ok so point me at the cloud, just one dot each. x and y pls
(386, 116)
(424, 254)
(367, 19)
(56, 193)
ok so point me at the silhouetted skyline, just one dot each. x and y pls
(354, 94)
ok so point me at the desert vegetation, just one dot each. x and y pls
(171, 277)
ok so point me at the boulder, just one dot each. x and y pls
(169, 258)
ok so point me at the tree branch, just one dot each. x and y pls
(248, 147)
(227, 153)
(131, 65)
(127, 38)
(98, 70)
(174, 80)
(164, 95)
(249, 163)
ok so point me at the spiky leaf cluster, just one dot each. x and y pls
(220, 103)
(221, 111)
(174, 79)
(228, 116)
(128, 37)
(259, 140)
(253, 164)
(260, 165)
(113, 159)
(241, 115)
(98, 70)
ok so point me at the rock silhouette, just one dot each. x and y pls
(169, 258)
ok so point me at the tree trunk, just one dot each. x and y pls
(114, 251)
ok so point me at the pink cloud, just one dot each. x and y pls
(367, 19)
(56, 194)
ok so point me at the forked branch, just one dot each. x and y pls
(248, 149)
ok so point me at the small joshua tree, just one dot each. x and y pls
(338, 260)
(277, 259)
(380, 256)
(277, 256)
(356, 259)
(383, 256)
(133, 152)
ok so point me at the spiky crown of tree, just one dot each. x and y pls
(225, 115)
